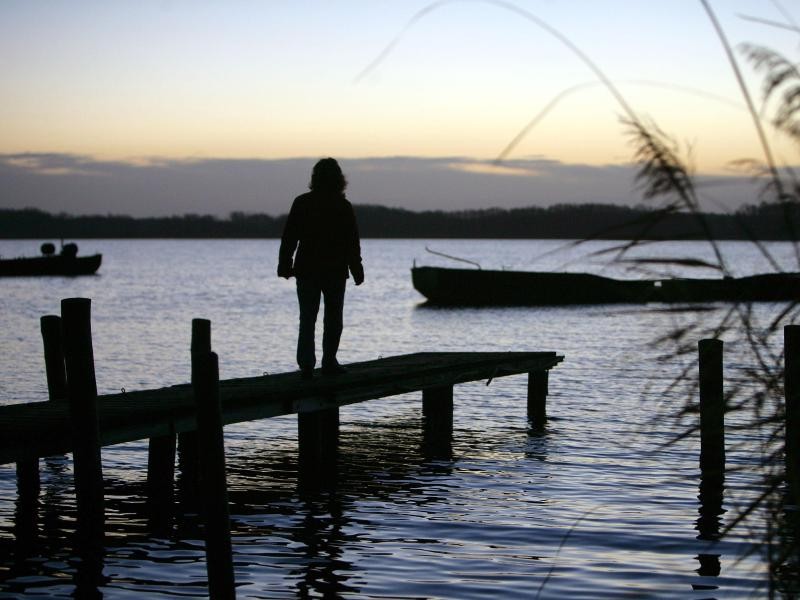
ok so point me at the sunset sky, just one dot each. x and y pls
(115, 106)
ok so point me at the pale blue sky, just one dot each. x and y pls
(194, 79)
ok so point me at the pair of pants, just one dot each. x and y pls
(309, 289)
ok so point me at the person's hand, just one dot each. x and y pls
(285, 271)
(358, 275)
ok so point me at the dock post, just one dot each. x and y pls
(791, 345)
(219, 553)
(317, 441)
(538, 382)
(161, 479)
(437, 413)
(82, 396)
(54, 358)
(187, 440)
(712, 406)
(28, 483)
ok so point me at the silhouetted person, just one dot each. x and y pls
(322, 227)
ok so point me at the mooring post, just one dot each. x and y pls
(219, 553)
(537, 398)
(712, 406)
(82, 397)
(187, 440)
(791, 348)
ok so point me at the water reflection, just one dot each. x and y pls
(536, 447)
(26, 532)
(273, 496)
(321, 535)
(708, 524)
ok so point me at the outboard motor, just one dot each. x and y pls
(69, 250)
(48, 249)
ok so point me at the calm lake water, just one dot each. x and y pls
(594, 507)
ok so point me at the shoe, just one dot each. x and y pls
(333, 369)
(306, 374)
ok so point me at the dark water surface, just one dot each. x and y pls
(594, 507)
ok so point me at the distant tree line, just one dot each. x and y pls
(563, 221)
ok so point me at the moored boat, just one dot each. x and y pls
(66, 263)
(479, 287)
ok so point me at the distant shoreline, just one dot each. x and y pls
(763, 222)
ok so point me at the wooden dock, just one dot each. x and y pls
(191, 417)
(43, 428)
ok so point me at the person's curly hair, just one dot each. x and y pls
(327, 177)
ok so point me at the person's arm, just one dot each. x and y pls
(354, 251)
(289, 241)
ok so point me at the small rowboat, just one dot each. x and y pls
(478, 287)
(67, 263)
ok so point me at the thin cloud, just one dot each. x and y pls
(51, 164)
(78, 184)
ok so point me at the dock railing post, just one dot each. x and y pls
(712, 407)
(437, 414)
(791, 345)
(187, 440)
(538, 382)
(219, 553)
(28, 483)
(54, 357)
(82, 396)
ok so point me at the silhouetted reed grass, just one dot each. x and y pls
(665, 176)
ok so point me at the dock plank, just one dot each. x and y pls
(43, 428)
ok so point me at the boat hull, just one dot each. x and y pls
(473, 287)
(69, 266)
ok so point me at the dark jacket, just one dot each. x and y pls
(325, 228)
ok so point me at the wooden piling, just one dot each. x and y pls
(538, 382)
(219, 553)
(161, 476)
(187, 440)
(712, 406)
(201, 336)
(437, 414)
(791, 345)
(28, 483)
(437, 408)
(54, 357)
(82, 397)
(317, 441)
